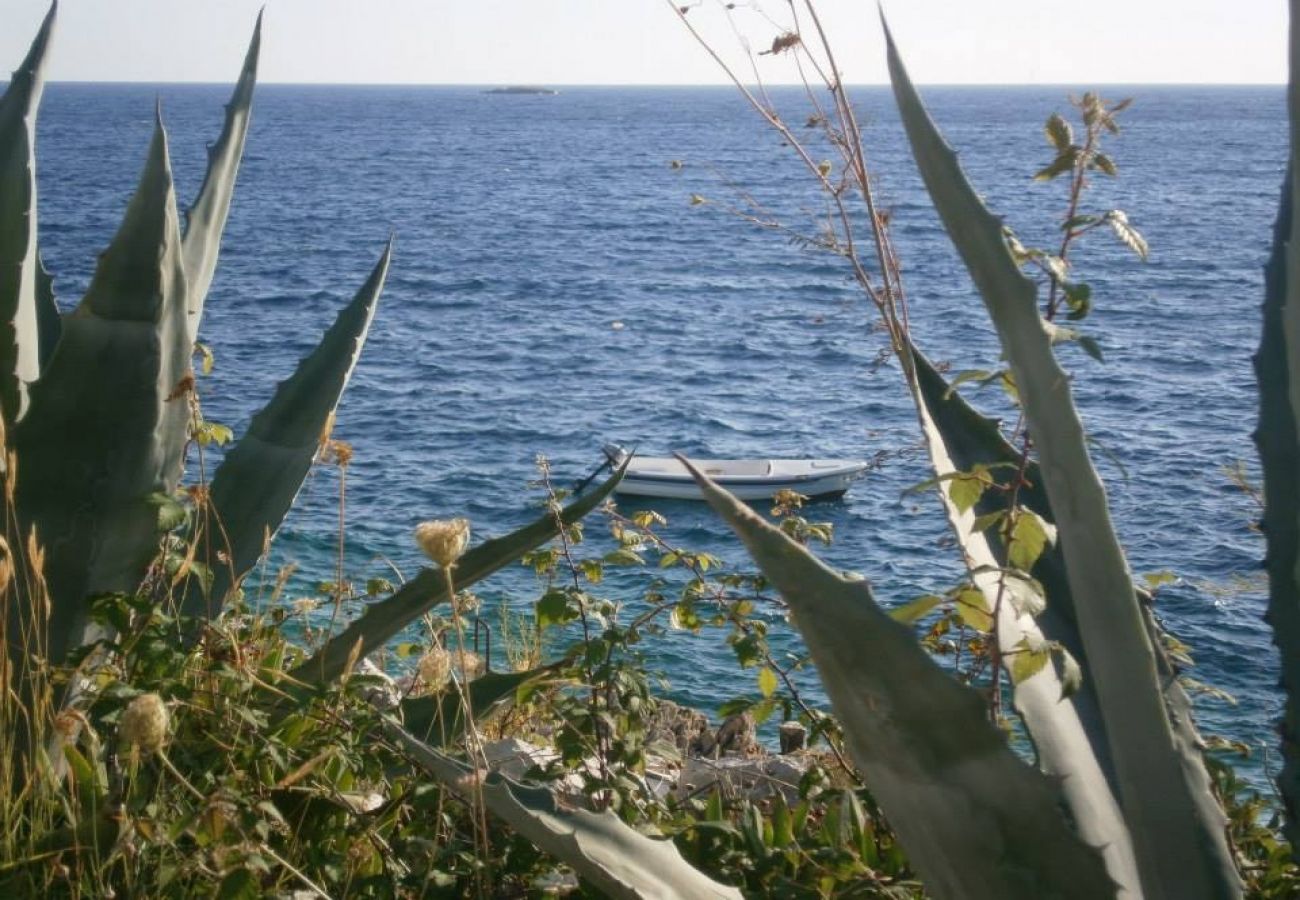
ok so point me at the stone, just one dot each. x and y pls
(793, 736)
(737, 736)
(755, 778)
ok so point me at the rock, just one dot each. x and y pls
(793, 735)
(754, 777)
(686, 729)
(513, 757)
(737, 736)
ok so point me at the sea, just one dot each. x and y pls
(639, 265)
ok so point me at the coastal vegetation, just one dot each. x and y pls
(176, 723)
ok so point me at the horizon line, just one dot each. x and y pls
(640, 84)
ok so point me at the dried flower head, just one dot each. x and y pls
(435, 668)
(6, 565)
(443, 540)
(473, 665)
(337, 452)
(144, 723)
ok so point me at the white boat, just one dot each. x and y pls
(748, 479)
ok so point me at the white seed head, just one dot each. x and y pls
(144, 723)
(443, 540)
(435, 668)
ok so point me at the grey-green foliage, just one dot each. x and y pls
(1175, 826)
(600, 847)
(1068, 733)
(1277, 368)
(108, 420)
(206, 218)
(1133, 779)
(256, 483)
(106, 425)
(20, 268)
(975, 821)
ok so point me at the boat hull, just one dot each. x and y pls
(658, 479)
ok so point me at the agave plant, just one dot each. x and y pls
(97, 417)
(1120, 752)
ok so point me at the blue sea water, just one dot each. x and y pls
(526, 226)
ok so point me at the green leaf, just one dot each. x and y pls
(1090, 346)
(1079, 298)
(239, 884)
(212, 433)
(383, 620)
(913, 611)
(973, 609)
(767, 683)
(91, 793)
(1103, 163)
(1078, 222)
(1155, 580)
(1064, 162)
(988, 520)
(623, 557)
(171, 514)
(1026, 663)
(966, 797)
(209, 361)
(1058, 131)
(605, 852)
(260, 477)
(1029, 538)
(965, 490)
(554, 608)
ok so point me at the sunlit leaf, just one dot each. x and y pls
(1058, 131)
(915, 610)
(1079, 298)
(1065, 162)
(767, 682)
(1029, 538)
(1103, 163)
(973, 608)
(1026, 663)
(1129, 235)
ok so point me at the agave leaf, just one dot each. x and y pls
(1067, 733)
(107, 422)
(256, 483)
(600, 847)
(19, 265)
(383, 620)
(206, 219)
(1180, 852)
(49, 322)
(438, 718)
(1277, 369)
(975, 820)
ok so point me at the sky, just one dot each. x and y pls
(570, 42)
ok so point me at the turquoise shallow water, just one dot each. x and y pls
(527, 225)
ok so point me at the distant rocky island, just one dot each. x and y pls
(523, 89)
